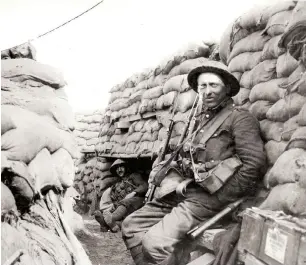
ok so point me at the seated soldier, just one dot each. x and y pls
(121, 199)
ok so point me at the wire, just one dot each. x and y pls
(65, 23)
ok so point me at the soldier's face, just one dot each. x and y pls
(211, 88)
(120, 171)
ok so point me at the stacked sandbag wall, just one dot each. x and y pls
(92, 179)
(87, 129)
(37, 168)
(273, 88)
(138, 113)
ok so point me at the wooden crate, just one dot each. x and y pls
(271, 238)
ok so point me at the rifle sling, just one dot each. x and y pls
(212, 126)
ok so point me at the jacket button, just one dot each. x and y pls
(207, 116)
(215, 134)
(201, 131)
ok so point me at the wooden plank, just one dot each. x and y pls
(251, 260)
(206, 239)
(206, 259)
(126, 155)
(251, 233)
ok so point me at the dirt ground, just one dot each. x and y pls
(104, 248)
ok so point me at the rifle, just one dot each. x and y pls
(152, 187)
(161, 156)
(191, 116)
(199, 229)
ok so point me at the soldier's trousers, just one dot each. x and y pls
(159, 227)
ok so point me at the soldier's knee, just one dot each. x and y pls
(125, 225)
(150, 244)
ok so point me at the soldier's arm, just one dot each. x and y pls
(250, 149)
(142, 185)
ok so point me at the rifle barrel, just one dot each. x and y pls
(199, 229)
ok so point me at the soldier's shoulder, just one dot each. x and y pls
(241, 112)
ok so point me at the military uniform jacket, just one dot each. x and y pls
(238, 135)
(133, 182)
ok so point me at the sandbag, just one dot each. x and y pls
(135, 137)
(288, 168)
(25, 50)
(64, 167)
(302, 116)
(94, 127)
(118, 104)
(166, 100)
(126, 93)
(8, 202)
(89, 135)
(20, 70)
(103, 166)
(285, 65)
(12, 240)
(155, 81)
(51, 243)
(229, 38)
(291, 201)
(237, 75)
(295, 31)
(93, 141)
(280, 6)
(81, 187)
(149, 136)
(252, 18)
(192, 51)
(300, 86)
(286, 108)
(260, 108)
(269, 91)
(89, 187)
(274, 149)
(176, 83)
(162, 134)
(185, 100)
(131, 110)
(289, 127)
(81, 126)
(186, 66)
(244, 61)
(154, 92)
(41, 168)
(271, 130)
(150, 125)
(24, 143)
(142, 85)
(271, 49)
(242, 97)
(262, 72)
(130, 147)
(277, 23)
(298, 139)
(251, 43)
(139, 125)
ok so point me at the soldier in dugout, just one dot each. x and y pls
(221, 160)
(121, 199)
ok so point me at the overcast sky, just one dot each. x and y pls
(114, 40)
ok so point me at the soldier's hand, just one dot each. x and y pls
(130, 195)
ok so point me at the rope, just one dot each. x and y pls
(61, 25)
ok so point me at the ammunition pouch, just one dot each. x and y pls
(215, 178)
(170, 182)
